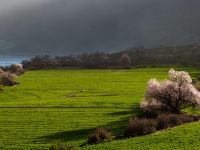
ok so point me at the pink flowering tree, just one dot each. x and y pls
(173, 94)
(125, 60)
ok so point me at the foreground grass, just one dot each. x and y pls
(66, 105)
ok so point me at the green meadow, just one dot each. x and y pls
(66, 105)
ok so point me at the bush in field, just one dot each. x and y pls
(1, 72)
(40, 62)
(137, 127)
(167, 120)
(7, 79)
(151, 109)
(16, 69)
(173, 94)
(60, 146)
(125, 60)
(99, 136)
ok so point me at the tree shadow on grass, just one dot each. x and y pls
(67, 136)
(75, 135)
(130, 112)
(117, 128)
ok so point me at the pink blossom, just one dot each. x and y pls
(175, 93)
(179, 76)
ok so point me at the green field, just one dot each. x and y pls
(65, 105)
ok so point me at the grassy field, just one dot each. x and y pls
(65, 105)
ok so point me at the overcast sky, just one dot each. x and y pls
(30, 27)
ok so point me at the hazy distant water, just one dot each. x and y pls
(8, 60)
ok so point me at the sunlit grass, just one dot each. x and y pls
(66, 105)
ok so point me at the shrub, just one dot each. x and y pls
(60, 146)
(174, 94)
(166, 121)
(125, 60)
(99, 136)
(187, 118)
(137, 127)
(151, 109)
(1, 72)
(16, 69)
(170, 120)
(7, 79)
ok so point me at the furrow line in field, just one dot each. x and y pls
(68, 107)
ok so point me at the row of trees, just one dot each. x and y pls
(96, 60)
(187, 56)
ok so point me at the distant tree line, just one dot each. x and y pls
(180, 55)
(95, 60)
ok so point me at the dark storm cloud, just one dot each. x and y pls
(72, 26)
